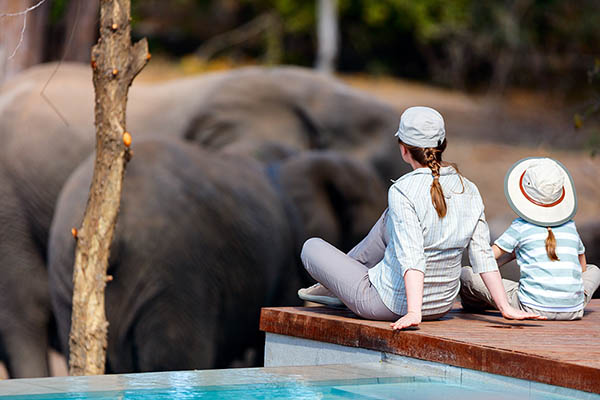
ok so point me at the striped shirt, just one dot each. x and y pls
(555, 286)
(419, 239)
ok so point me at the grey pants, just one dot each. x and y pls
(475, 296)
(346, 275)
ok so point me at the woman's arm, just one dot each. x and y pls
(493, 281)
(583, 262)
(413, 282)
(501, 256)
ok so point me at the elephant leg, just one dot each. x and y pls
(60, 285)
(24, 311)
(27, 354)
(163, 336)
(24, 300)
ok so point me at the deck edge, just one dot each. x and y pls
(298, 322)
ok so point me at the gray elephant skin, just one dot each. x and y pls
(202, 242)
(282, 110)
(590, 235)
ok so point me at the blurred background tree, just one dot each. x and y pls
(54, 29)
(458, 43)
(588, 117)
(466, 44)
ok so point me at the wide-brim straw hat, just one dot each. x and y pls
(543, 213)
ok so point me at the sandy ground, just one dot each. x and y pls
(486, 165)
(486, 136)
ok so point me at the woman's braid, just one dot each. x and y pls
(432, 158)
(433, 162)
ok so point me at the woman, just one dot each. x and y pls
(408, 267)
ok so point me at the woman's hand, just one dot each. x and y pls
(513, 313)
(410, 319)
(413, 282)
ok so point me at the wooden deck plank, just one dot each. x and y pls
(554, 352)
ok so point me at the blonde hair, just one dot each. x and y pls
(431, 157)
(551, 245)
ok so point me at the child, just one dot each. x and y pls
(555, 281)
(408, 267)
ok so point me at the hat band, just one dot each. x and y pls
(537, 203)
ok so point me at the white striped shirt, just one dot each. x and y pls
(555, 286)
(420, 240)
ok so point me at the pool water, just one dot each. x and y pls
(414, 388)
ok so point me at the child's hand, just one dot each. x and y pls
(410, 319)
(513, 313)
(501, 256)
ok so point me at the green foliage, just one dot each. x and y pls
(58, 9)
(298, 16)
(460, 43)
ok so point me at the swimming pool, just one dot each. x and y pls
(355, 381)
(351, 390)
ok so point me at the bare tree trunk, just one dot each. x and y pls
(510, 18)
(261, 24)
(274, 41)
(115, 63)
(83, 14)
(327, 35)
(31, 48)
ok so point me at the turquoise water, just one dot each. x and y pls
(414, 388)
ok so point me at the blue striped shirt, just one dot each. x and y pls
(419, 239)
(546, 285)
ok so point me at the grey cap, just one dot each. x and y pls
(421, 127)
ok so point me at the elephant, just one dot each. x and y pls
(238, 111)
(203, 240)
(299, 109)
(36, 157)
(39, 151)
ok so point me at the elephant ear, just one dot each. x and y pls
(334, 197)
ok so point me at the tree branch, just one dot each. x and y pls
(115, 63)
(24, 11)
(235, 36)
(24, 14)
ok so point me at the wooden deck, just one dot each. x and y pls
(555, 352)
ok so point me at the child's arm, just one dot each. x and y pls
(501, 256)
(413, 282)
(583, 262)
(493, 281)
